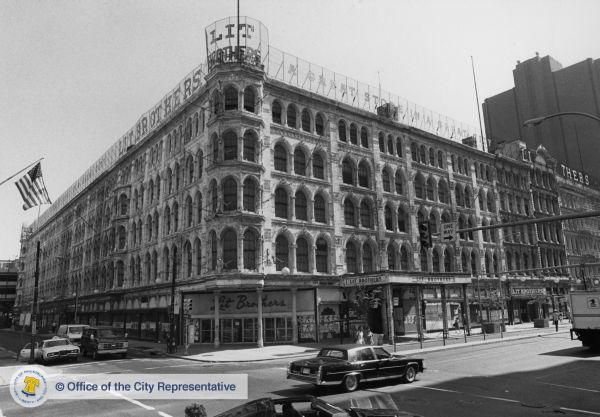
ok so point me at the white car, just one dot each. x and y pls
(72, 332)
(50, 350)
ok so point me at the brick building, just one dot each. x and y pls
(251, 181)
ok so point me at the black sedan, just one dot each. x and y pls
(351, 365)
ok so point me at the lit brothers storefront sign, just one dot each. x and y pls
(395, 279)
(527, 292)
(226, 41)
(242, 303)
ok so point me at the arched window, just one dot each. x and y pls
(250, 146)
(399, 182)
(468, 197)
(167, 221)
(124, 204)
(385, 176)
(215, 148)
(423, 154)
(156, 223)
(319, 209)
(169, 180)
(321, 257)
(342, 131)
(488, 264)
(481, 198)
(363, 174)
(250, 243)
(280, 158)
(276, 112)
(423, 259)
(302, 255)
(229, 195)
(431, 157)
(230, 146)
(213, 250)
(189, 210)
(149, 228)
(474, 268)
(249, 99)
(441, 160)
(464, 261)
(391, 257)
(353, 134)
(404, 261)
(419, 191)
(433, 223)
(190, 169)
(471, 225)
(349, 213)
(367, 258)
(351, 263)
(430, 188)
(282, 252)
(390, 145)
(364, 137)
(435, 257)
(291, 115)
(231, 98)
(229, 250)
(399, 147)
(402, 220)
(319, 125)
(175, 216)
(347, 172)
(122, 237)
(443, 196)
(281, 203)
(189, 258)
(366, 219)
(305, 120)
(198, 252)
(388, 218)
(381, 140)
(151, 191)
(448, 260)
(301, 206)
(134, 232)
(299, 162)
(318, 167)
(214, 196)
(250, 192)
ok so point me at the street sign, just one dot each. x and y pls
(448, 231)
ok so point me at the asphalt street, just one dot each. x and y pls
(529, 377)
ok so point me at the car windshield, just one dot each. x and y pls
(333, 353)
(110, 333)
(54, 343)
(75, 329)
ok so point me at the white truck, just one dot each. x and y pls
(585, 311)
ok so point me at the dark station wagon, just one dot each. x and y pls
(353, 364)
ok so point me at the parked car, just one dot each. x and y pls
(350, 365)
(306, 407)
(103, 340)
(50, 350)
(72, 332)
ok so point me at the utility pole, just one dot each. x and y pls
(35, 300)
(171, 346)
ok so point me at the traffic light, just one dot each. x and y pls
(187, 305)
(425, 234)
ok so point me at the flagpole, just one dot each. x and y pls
(14, 175)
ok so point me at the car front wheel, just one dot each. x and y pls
(350, 383)
(410, 375)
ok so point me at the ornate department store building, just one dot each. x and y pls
(264, 177)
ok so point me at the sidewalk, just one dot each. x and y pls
(406, 344)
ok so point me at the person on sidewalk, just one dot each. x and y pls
(358, 337)
(368, 337)
(555, 320)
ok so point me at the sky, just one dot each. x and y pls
(76, 75)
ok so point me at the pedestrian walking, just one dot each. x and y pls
(369, 337)
(555, 320)
(358, 337)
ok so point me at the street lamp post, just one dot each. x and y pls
(537, 120)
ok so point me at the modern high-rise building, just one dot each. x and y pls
(542, 87)
(266, 198)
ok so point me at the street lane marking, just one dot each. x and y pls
(439, 389)
(160, 413)
(132, 401)
(580, 411)
(568, 386)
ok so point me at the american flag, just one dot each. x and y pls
(32, 188)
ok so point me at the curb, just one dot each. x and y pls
(407, 352)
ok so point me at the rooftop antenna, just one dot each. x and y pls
(483, 140)
(379, 79)
(238, 30)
